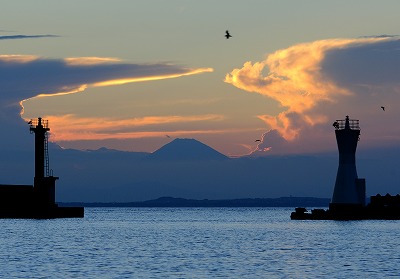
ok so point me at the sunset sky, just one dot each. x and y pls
(132, 75)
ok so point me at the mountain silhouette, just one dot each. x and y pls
(187, 149)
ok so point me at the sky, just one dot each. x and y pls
(133, 75)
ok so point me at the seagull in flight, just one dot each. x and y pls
(227, 35)
(383, 108)
(257, 140)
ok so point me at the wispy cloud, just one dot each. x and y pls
(18, 37)
(150, 78)
(87, 61)
(71, 127)
(316, 82)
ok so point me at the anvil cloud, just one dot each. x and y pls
(321, 81)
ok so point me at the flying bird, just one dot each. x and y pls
(168, 136)
(257, 140)
(383, 108)
(227, 35)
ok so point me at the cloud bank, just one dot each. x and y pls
(318, 82)
(25, 76)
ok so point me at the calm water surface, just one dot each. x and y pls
(198, 243)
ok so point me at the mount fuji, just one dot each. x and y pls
(187, 149)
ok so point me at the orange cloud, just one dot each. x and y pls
(16, 58)
(86, 61)
(150, 78)
(297, 81)
(70, 127)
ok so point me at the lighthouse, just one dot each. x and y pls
(348, 199)
(38, 200)
(44, 182)
(349, 191)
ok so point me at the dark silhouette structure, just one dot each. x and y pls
(348, 199)
(227, 35)
(349, 190)
(37, 201)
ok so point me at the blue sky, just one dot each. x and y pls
(163, 39)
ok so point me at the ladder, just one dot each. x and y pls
(46, 156)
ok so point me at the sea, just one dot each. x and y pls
(198, 243)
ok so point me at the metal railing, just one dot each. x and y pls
(35, 122)
(46, 156)
(341, 124)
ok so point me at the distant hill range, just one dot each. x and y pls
(187, 149)
(187, 168)
(181, 202)
(190, 169)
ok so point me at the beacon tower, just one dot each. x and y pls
(348, 200)
(44, 183)
(349, 191)
(36, 201)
